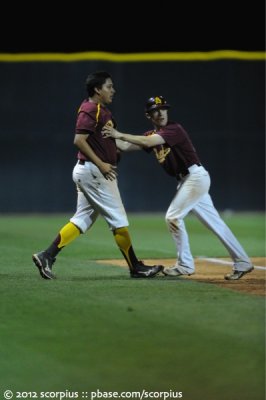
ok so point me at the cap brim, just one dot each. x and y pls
(157, 106)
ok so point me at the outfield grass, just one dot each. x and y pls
(94, 327)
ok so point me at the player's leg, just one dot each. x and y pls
(81, 221)
(191, 189)
(107, 200)
(209, 216)
(123, 241)
(46, 258)
(136, 267)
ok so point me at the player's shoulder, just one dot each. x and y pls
(88, 107)
(181, 130)
(174, 128)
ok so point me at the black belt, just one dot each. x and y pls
(82, 162)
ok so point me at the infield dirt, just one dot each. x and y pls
(210, 271)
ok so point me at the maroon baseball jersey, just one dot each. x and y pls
(91, 119)
(178, 152)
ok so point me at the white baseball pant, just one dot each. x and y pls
(192, 195)
(97, 196)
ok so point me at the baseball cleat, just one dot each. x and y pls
(141, 270)
(235, 275)
(44, 263)
(177, 271)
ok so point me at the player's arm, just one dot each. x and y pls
(126, 146)
(143, 141)
(106, 169)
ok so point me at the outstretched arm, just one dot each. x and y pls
(126, 146)
(143, 141)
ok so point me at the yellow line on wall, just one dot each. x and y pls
(134, 57)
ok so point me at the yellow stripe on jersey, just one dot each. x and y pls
(98, 113)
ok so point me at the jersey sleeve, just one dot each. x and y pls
(86, 122)
(173, 134)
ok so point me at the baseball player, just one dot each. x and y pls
(96, 181)
(176, 154)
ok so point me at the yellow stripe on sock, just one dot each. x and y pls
(67, 234)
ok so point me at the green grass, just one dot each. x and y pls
(94, 327)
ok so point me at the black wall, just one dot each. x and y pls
(220, 103)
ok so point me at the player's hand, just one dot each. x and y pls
(108, 171)
(109, 131)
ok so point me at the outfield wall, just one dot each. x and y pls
(220, 103)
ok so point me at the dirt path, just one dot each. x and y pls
(213, 271)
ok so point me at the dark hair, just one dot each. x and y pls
(96, 80)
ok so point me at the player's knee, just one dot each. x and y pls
(80, 225)
(172, 224)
